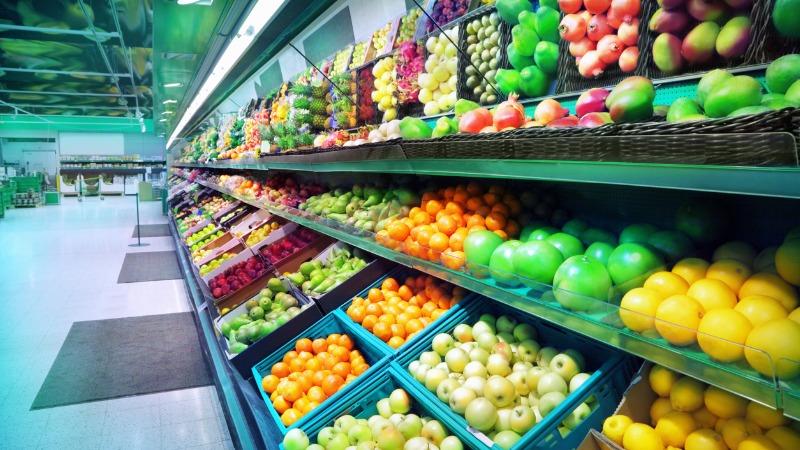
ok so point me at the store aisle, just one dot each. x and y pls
(60, 265)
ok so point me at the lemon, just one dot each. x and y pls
(660, 407)
(691, 269)
(759, 309)
(666, 284)
(785, 437)
(705, 439)
(770, 285)
(614, 427)
(722, 333)
(687, 395)
(724, 404)
(712, 294)
(729, 271)
(765, 261)
(758, 442)
(661, 380)
(674, 427)
(638, 308)
(705, 418)
(720, 425)
(764, 416)
(639, 436)
(677, 318)
(736, 430)
(787, 261)
(768, 350)
(738, 250)
(795, 315)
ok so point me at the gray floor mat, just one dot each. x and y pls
(104, 359)
(149, 266)
(152, 230)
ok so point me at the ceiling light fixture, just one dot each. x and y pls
(172, 85)
(168, 102)
(162, 120)
(167, 112)
(195, 2)
(258, 17)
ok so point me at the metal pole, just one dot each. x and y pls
(138, 227)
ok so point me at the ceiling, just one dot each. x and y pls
(76, 57)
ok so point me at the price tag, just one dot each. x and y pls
(481, 437)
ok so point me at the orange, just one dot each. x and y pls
(474, 188)
(427, 308)
(435, 315)
(305, 356)
(495, 221)
(382, 238)
(413, 325)
(331, 384)
(390, 284)
(398, 231)
(302, 405)
(691, 269)
(387, 318)
(319, 345)
(439, 242)
(449, 192)
(729, 271)
(453, 259)
(342, 369)
(483, 211)
(269, 383)
(512, 228)
(501, 233)
(666, 284)
(375, 295)
(490, 198)
(369, 321)
(317, 378)
(457, 239)
(303, 345)
(289, 356)
(346, 341)
(474, 203)
(712, 294)
(475, 221)
(514, 206)
(313, 364)
(280, 369)
(424, 236)
(297, 365)
(293, 391)
(333, 338)
(770, 285)
(280, 404)
(397, 330)
(382, 331)
(405, 292)
(374, 309)
(290, 416)
(421, 218)
(341, 353)
(316, 394)
(356, 313)
(454, 208)
(447, 225)
(396, 342)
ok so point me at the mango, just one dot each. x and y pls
(709, 81)
(631, 106)
(782, 72)
(509, 9)
(698, 45)
(547, 20)
(734, 37)
(793, 93)
(776, 101)
(671, 5)
(732, 94)
(664, 21)
(748, 110)
(704, 10)
(667, 53)
(786, 19)
(533, 82)
(681, 108)
(546, 57)
(692, 118)
(527, 19)
(518, 60)
(636, 83)
(507, 81)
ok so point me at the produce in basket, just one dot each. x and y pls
(385, 88)
(316, 277)
(495, 374)
(438, 82)
(484, 52)
(394, 427)
(444, 12)
(721, 94)
(265, 313)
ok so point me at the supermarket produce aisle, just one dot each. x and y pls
(60, 265)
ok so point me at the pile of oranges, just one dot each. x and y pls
(435, 230)
(311, 373)
(396, 313)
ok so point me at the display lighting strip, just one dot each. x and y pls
(258, 18)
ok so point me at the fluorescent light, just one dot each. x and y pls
(172, 85)
(195, 2)
(167, 112)
(258, 17)
(162, 120)
(170, 101)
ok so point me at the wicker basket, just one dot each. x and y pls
(764, 32)
(463, 61)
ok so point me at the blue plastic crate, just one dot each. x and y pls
(611, 373)
(361, 402)
(332, 323)
(400, 274)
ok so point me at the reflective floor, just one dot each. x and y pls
(58, 265)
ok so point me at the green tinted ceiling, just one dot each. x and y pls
(24, 122)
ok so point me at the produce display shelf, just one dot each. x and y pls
(103, 170)
(742, 382)
(244, 411)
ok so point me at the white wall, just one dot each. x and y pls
(91, 143)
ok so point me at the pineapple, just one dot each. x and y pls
(319, 121)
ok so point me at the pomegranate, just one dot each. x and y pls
(549, 110)
(610, 47)
(569, 6)
(598, 27)
(580, 48)
(474, 121)
(597, 6)
(627, 9)
(629, 32)
(572, 28)
(628, 59)
(509, 114)
(614, 18)
(591, 66)
(593, 100)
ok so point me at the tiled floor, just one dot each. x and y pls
(58, 265)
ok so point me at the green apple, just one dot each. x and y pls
(565, 366)
(501, 267)
(359, 433)
(527, 350)
(503, 419)
(674, 245)
(399, 401)
(517, 378)
(475, 369)
(478, 248)
(434, 377)
(384, 408)
(446, 388)
(549, 401)
(442, 343)
(390, 439)
(481, 414)
(542, 233)
(476, 384)
(411, 426)
(463, 333)
(567, 244)
(430, 358)
(478, 354)
(325, 435)
(524, 331)
(532, 377)
(574, 227)
(456, 359)
(295, 439)
(461, 397)
(434, 431)
(498, 365)
(338, 442)
(545, 355)
(577, 416)
(499, 391)
(599, 251)
(580, 282)
(551, 382)
(344, 423)
(536, 261)
(451, 443)
(506, 324)
(638, 233)
(522, 419)
(592, 235)
(506, 439)
(630, 262)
